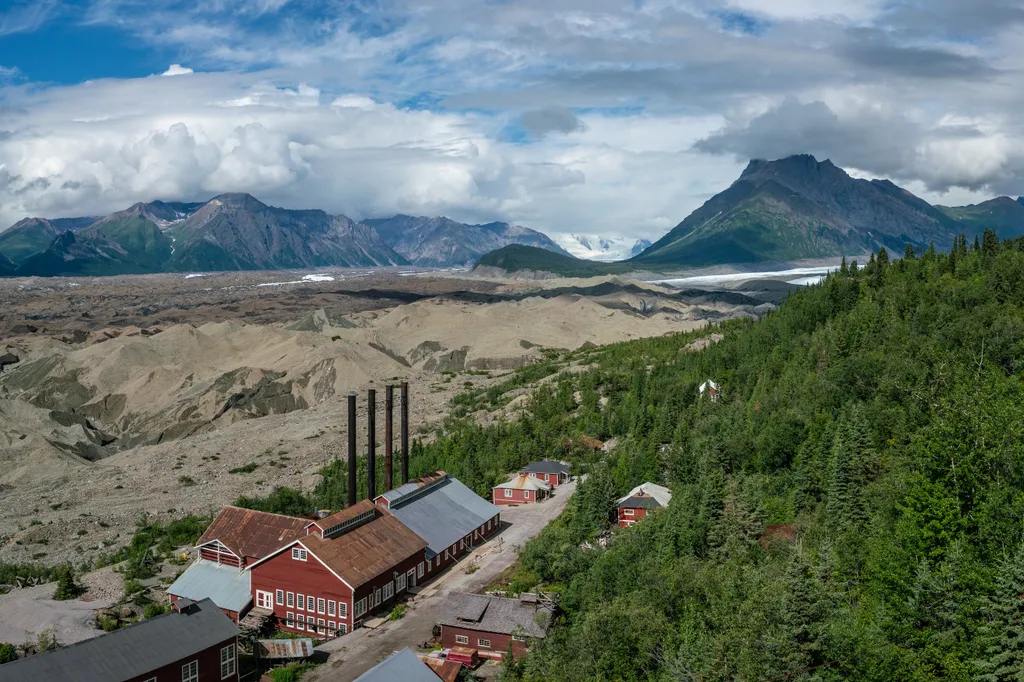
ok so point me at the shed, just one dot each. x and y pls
(491, 625)
(521, 489)
(226, 585)
(402, 665)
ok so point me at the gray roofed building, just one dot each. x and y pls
(546, 466)
(227, 586)
(403, 666)
(500, 615)
(441, 510)
(132, 652)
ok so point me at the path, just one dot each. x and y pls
(357, 652)
(31, 611)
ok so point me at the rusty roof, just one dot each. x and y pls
(285, 648)
(367, 551)
(446, 670)
(344, 515)
(250, 533)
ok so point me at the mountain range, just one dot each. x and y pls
(592, 247)
(238, 232)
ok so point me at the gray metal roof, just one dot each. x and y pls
(403, 666)
(444, 514)
(131, 652)
(639, 503)
(227, 586)
(546, 466)
(500, 615)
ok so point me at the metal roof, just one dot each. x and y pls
(522, 482)
(285, 648)
(131, 652)
(546, 466)
(404, 666)
(227, 586)
(413, 485)
(638, 502)
(250, 533)
(444, 514)
(499, 615)
(659, 492)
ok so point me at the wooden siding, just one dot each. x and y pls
(209, 666)
(629, 520)
(499, 643)
(518, 497)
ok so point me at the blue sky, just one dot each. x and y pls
(572, 116)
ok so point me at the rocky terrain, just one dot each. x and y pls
(142, 394)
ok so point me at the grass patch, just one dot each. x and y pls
(247, 469)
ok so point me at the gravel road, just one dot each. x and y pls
(357, 652)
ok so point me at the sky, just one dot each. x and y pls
(569, 116)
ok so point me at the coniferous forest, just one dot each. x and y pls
(852, 509)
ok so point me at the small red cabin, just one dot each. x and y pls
(548, 470)
(490, 626)
(640, 501)
(522, 489)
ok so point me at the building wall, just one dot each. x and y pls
(388, 577)
(309, 578)
(499, 643)
(626, 520)
(554, 479)
(518, 497)
(212, 553)
(448, 557)
(209, 667)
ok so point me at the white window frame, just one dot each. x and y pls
(376, 597)
(190, 671)
(152, 679)
(228, 661)
(299, 554)
(342, 629)
(279, 597)
(508, 492)
(628, 512)
(462, 639)
(485, 643)
(290, 599)
(430, 564)
(360, 607)
(321, 626)
(310, 603)
(321, 605)
(342, 609)
(332, 628)
(332, 607)
(264, 600)
(400, 582)
(300, 602)
(289, 619)
(526, 494)
(518, 638)
(300, 622)
(419, 570)
(389, 591)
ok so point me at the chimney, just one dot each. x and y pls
(371, 444)
(405, 432)
(351, 449)
(389, 436)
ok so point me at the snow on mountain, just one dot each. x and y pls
(593, 247)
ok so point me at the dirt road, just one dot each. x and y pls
(355, 653)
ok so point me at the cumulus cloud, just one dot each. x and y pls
(177, 70)
(551, 120)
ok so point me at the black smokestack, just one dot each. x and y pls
(389, 436)
(351, 449)
(405, 432)
(371, 447)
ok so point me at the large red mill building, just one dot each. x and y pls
(326, 575)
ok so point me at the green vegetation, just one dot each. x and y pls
(515, 257)
(156, 608)
(67, 588)
(398, 612)
(187, 481)
(292, 672)
(8, 653)
(247, 469)
(151, 542)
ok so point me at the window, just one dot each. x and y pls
(298, 554)
(190, 672)
(627, 512)
(400, 583)
(376, 597)
(508, 492)
(310, 603)
(461, 639)
(264, 600)
(419, 570)
(291, 599)
(486, 643)
(360, 607)
(301, 601)
(389, 591)
(227, 661)
(332, 628)
(526, 494)
(280, 597)
(301, 622)
(321, 605)
(321, 626)
(518, 638)
(342, 628)
(331, 606)
(342, 609)
(430, 564)
(290, 620)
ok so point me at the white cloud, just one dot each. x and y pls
(177, 70)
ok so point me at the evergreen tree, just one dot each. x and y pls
(804, 617)
(67, 588)
(909, 253)
(8, 653)
(844, 269)
(736, 530)
(977, 244)
(1004, 613)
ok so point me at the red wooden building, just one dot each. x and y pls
(347, 566)
(238, 537)
(548, 470)
(640, 501)
(492, 625)
(521, 489)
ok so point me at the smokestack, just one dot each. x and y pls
(405, 432)
(351, 449)
(371, 447)
(389, 436)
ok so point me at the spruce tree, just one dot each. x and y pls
(1004, 612)
(844, 269)
(736, 530)
(909, 253)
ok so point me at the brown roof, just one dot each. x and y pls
(344, 515)
(250, 533)
(368, 550)
(446, 670)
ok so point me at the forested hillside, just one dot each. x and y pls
(877, 415)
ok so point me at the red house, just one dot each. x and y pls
(238, 536)
(195, 644)
(346, 567)
(492, 625)
(548, 470)
(640, 501)
(522, 489)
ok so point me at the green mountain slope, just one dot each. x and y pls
(518, 257)
(86, 253)
(1002, 214)
(7, 266)
(139, 237)
(27, 237)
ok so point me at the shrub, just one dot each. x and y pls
(247, 469)
(398, 612)
(288, 673)
(107, 624)
(155, 609)
(186, 481)
(8, 653)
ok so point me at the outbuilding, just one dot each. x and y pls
(548, 470)
(521, 489)
(493, 625)
(640, 501)
(227, 586)
(402, 666)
